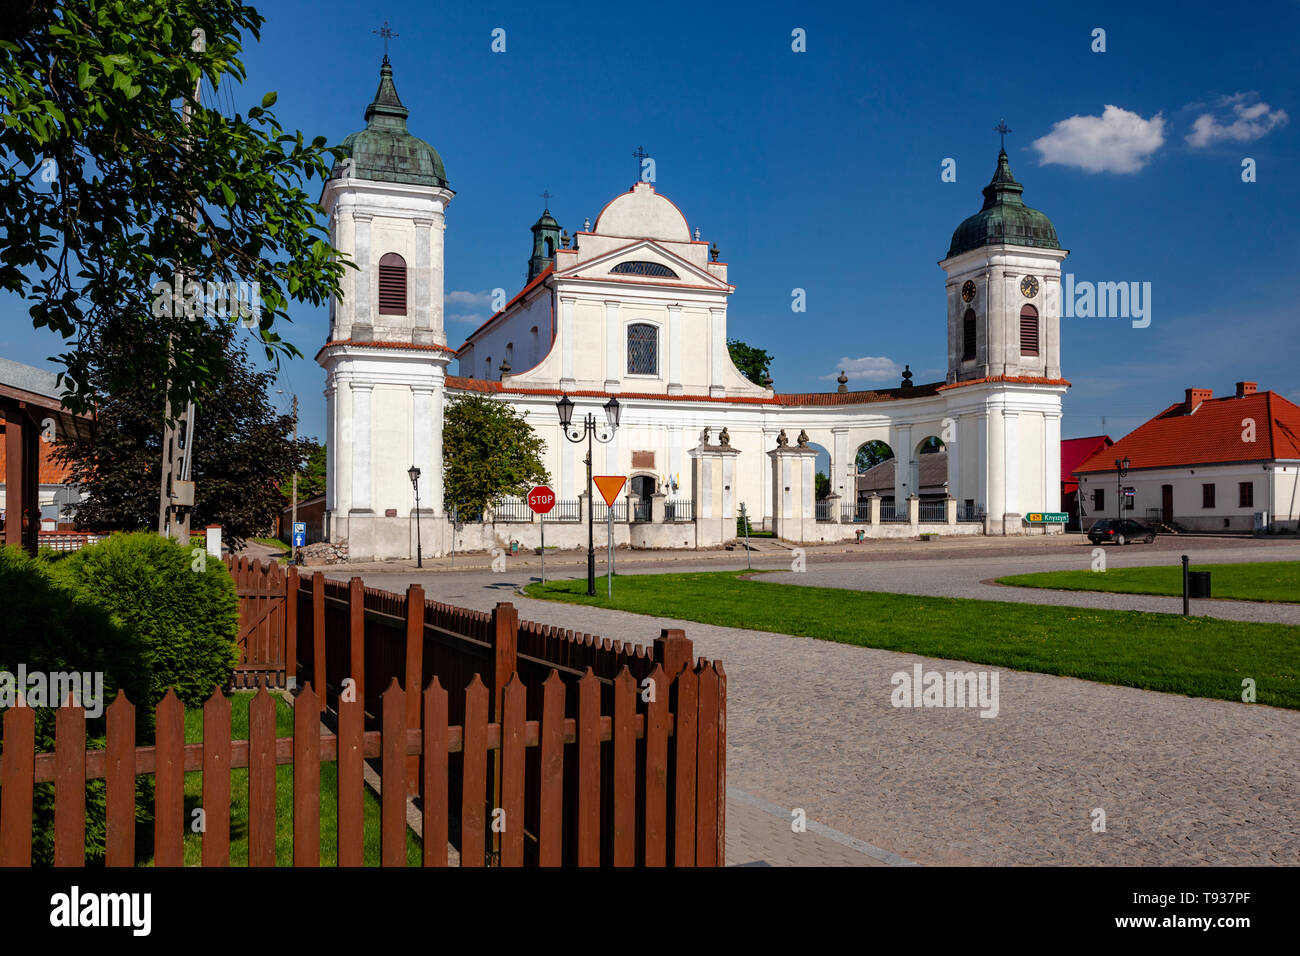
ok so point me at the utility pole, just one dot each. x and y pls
(175, 467)
(294, 512)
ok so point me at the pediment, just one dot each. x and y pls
(643, 261)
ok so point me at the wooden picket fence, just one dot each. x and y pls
(664, 810)
(619, 759)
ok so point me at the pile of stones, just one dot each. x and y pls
(324, 552)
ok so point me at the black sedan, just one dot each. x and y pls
(1116, 531)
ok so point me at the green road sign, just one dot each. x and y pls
(1047, 517)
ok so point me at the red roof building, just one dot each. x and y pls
(1205, 463)
(1074, 452)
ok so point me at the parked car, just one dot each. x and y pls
(1117, 531)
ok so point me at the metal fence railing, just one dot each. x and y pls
(565, 510)
(619, 509)
(641, 510)
(824, 511)
(512, 510)
(890, 512)
(969, 513)
(932, 511)
(679, 509)
(855, 512)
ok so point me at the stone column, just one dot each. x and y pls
(901, 442)
(1051, 461)
(913, 511)
(420, 305)
(794, 514)
(436, 488)
(833, 503)
(657, 510)
(567, 345)
(362, 318)
(954, 459)
(360, 448)
(873, 509)
(1010, 474)
(675, 349)
(717, 349)
(584, 508)
(613, 341)
(950, 510)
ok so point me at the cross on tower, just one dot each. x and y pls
(1002, 129)
(641, 156)
(387, 33)
(546, 197)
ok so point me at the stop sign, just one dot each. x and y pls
(541, 499)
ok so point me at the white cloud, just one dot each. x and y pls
(1117, 141)
(469, 298)
(1249, 121)
(869, 368)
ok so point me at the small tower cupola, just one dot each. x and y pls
(385, 151)
(546, 239)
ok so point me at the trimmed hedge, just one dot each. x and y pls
(147, 613)
(179, 604)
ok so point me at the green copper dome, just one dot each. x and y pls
(1004, 218)
(385, 151)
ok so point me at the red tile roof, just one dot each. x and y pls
(541, 277)
(1017, 379)
(458, 383)
(1074, 452)
(387, 345)
(1210, 434)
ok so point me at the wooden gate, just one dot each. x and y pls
(265, 620)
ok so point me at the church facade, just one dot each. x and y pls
(635, 307)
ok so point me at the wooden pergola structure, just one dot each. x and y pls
(29, 406)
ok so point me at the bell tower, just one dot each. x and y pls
(546, 239)
(1004, 287)
(386, 355)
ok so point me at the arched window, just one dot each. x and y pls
(968, 336)
(640, 268)
(392, 284)
(550, 247)
(487, 367)
(1029, 330)
(642, 349)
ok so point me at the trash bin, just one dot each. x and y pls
(1198, 584)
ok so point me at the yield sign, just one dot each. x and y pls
(610, 486)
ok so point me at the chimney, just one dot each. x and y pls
(1195, 396)
(1246, 388)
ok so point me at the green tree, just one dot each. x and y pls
(106, 191)
(242, 449)
(489, 451)
(872, 454)
(311, 474)
(823, 485)
(753, 363)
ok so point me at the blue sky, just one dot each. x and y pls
(821, 170)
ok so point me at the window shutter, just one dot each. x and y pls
(1029, 330)
(392, 285)
(968, 336)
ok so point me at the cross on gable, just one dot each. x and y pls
(1002, 129)
(387, 33)
(641, 156)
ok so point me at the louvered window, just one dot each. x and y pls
(642, 350)
(968, 336)
(392, 285)
(1029, 330)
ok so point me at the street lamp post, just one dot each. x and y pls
(414, 473)
(603, 434)
(1121, 469)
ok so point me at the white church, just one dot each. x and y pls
(633, 307)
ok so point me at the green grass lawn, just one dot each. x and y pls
(239, 702)
(1263, 581)
(1197, 656)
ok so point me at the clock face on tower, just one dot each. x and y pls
(968, 290)
(1029, 287)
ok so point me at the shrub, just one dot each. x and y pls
(179, 605)
(49, 629)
